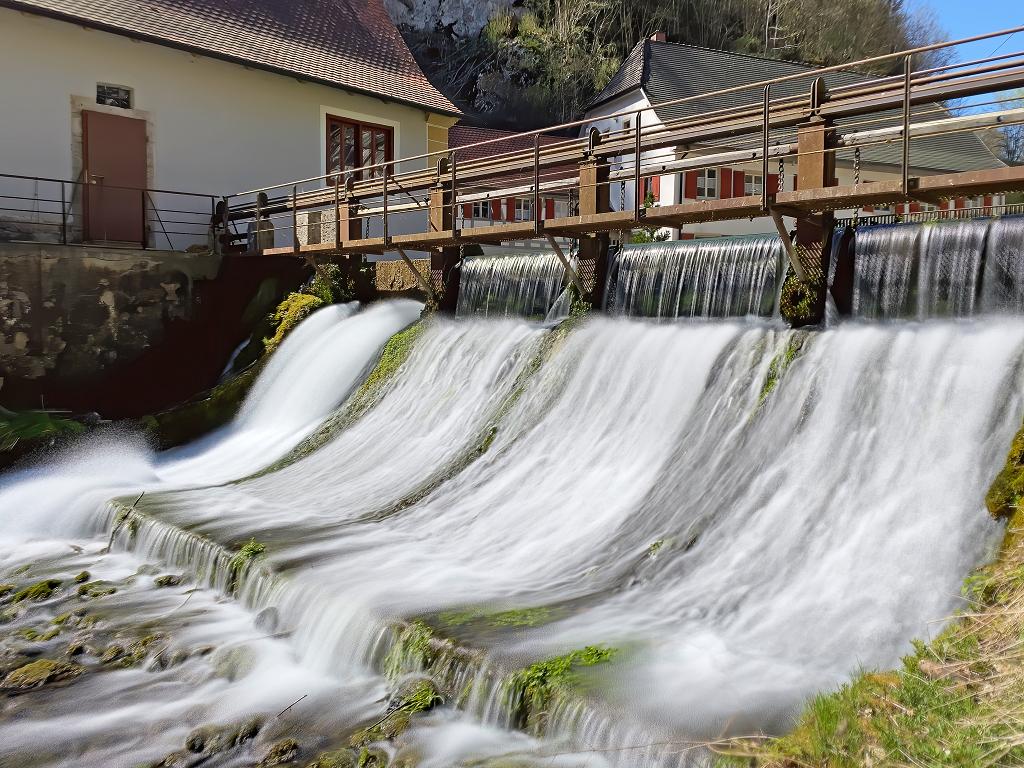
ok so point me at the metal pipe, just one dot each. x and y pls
(384, 205)
(536, 184)
(63, 217)
(637, 192)
(908, 71)
(764, 147)
(295, 220)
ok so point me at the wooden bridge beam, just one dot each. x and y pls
(594, 201)
(444, 259)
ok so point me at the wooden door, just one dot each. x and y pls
(114, 152)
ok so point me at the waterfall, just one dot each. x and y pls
(712, 277)
(942, 269)
(524, 285)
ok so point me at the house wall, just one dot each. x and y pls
(213, 126)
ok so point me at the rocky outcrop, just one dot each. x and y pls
(463, 18)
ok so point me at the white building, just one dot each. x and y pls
(203, 96)
(657, 72)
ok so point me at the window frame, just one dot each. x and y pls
(704, 191)
(128, 90)
(481, 210)
(524, 209)
(753, 184)
(358, 171)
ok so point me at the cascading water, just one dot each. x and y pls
(519, 286)
(746, 535)
(711, 277)
(943, 269)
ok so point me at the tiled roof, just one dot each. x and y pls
(669, 71)
(350, 44)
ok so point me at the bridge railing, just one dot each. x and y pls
(415, 202)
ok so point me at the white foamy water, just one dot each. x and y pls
(626, 481)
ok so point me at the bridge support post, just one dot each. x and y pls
(594, 198)
(444, 262)
(803, 300)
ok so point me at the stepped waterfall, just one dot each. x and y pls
(708, 522)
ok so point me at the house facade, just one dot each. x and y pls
(200, 96)
(658, 72)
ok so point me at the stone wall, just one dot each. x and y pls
(124, 331)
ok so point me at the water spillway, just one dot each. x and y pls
(940, 269)
(711, 277)
(523, 285)
(746, 514)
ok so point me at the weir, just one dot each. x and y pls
(524, 285)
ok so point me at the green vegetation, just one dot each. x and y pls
(330, 285)
(780, 364)
(39, 673)
(419, 696)
(33, 427)
(289, 313)
(519, 617)
(536, 686)
(546, 60)
(1003, 497)
(42, 590)
(802, 302)
(394, 355)
(248, 552)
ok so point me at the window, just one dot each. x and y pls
(482, 210)
(753, 184)
(524, 209)
(352, 145)
(114, 96)
(707, 184)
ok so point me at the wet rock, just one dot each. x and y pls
(39, 591)
(342, 758)
(283, 752)
(268, 620)
(5, 590)
(213, 739)
(167, 580)
(39, 673)
(112, 653)
(82, 577)
(233, 663)
(147, 570)
(372, 757)
(96, 589)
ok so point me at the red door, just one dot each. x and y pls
(114, 148)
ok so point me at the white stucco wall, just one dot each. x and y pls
(215, 127)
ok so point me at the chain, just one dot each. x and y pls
(782, 175)
(856, 181)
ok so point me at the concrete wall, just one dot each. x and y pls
(214, 127)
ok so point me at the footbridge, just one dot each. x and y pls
(417, 204)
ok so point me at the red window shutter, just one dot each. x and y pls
(773, 184)
(726, 185)
(988, 201)
(690, 192)
(869, 209)
(739, 187)
(510, 209)
(961, 202)
(915, 207)
(549, 208)
(656, 188)
(496, 210)
(467, 210)
(686, 235)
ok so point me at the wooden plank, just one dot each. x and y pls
(697, 211)
(595, 222)
(971, 183)
(838, 198)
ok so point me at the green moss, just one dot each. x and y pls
(289, 313)
(420, 696)
(780, 364)
(802, 302)
(392, 357)
(1007, 489)
(330, 285)
(248, 552)
(96, 589)
(414, 648)
(82, 577)
(519, 617)
(342, 758)
(6, 589)
(42, 590)
(281, 753)
(535, 687)
(40, 673)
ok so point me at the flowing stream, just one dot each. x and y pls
(743, 532)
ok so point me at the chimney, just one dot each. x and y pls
(659, 37)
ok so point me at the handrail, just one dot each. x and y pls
(673, 102)
(107, 186)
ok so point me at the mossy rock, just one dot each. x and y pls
(6, 589)
(96, 589)
(42, 590)
(82, 577)
(282, 753)
(168, 580)
(289, 314)
(39, 673)
(215, 739)
(536, 686)
(341, 758)
(802, 303)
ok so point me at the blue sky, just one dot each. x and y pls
(965, 18)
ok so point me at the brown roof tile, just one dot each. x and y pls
(351, 44)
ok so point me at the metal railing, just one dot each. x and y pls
(372, 208)
(73, 212)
